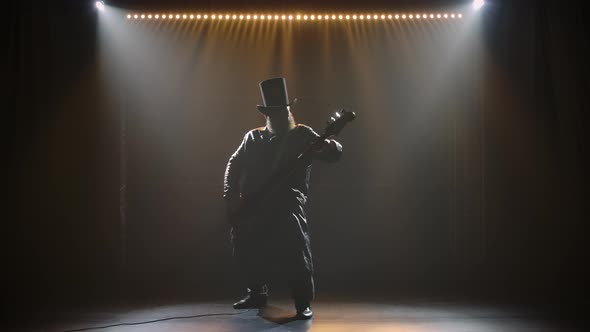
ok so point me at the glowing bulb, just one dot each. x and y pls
(262, 17)
(305, 17)
(348, 17)
(247, 17)
(320, 17)
(241, 17)
(99, 5)
(453, 15)
(477, 4)
(333, 17)
(404, 16)
(397, 16)
(192, 16)
(354, 17)
(298, 17)
(389, 16)
(382, 17)
(437, 15)
(411, 16)
(326, 17)
(362, 17)
(459, 15)
(431, 15)
(312, 17)
(339, 17)
(290, 17)
(277, 17)
(368, 17)
(135, 16)
(424, 16)
(375, 16)
(205, 16)
(198, 16)
(184, 16)
(142, 16)
(128, 16)
(255, 17)
(149, 16)
(446, 15)
(283, 17)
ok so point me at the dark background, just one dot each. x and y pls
(500, 215)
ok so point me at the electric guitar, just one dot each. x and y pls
(253, 204)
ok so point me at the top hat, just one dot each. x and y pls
(274, 95)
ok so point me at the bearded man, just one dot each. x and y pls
(277, 237)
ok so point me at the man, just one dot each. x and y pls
(277, 236)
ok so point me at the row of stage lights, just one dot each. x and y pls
(297, 17)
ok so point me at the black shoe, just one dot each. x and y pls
(303, 310)
(251, 302)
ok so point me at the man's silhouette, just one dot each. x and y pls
(277, 236)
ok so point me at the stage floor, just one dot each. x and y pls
(329, 316)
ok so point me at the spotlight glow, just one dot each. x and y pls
(411, 16)
(298, 17)
(128, 16)
(184, 16)
(382, 17)
(192, 16)
(477, 4)
(424, 16)
(135, 16)
(99, 5)
(354, 17)
(437, 15)
(389, 16)
(431, 15)
(198, 16)
(290, 17)
(348, 17)
(397, 16)
(460, 15)
(149, 16)
(283, 17)
(446, 15)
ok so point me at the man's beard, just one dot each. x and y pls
(280, 124)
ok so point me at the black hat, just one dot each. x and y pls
(274, 95)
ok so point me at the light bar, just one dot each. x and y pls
(300, 17)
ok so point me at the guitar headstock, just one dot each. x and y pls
(338, 121)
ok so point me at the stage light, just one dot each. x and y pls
(424, 16)
(477, 4)
(99, 5)
(142, 16)
(192, 16)
(460, 15)
(277, 17)
(382, 17)
(446, 15)
(411, 16)
(437, 15)
(453, 15)
(333, 17)
(198, 16)
(298, 17)
(247, 17)
(404, 16)
(305, 17)
(362, 17)
(312, 17)
(348, 17)
(320, 17)
(184, 16)
(241, 17)
(283, 17)
(135, 16)
(262, 17)
(368, 17)
(227, 16)
(205, 16)
(375, 16)
(397, 16)
(326, 17)
(431, 15)
(340, 16)
(389, 16)
(354, 17)
(255, 17)
(149, 16)
(290, 17)
(128, 16)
